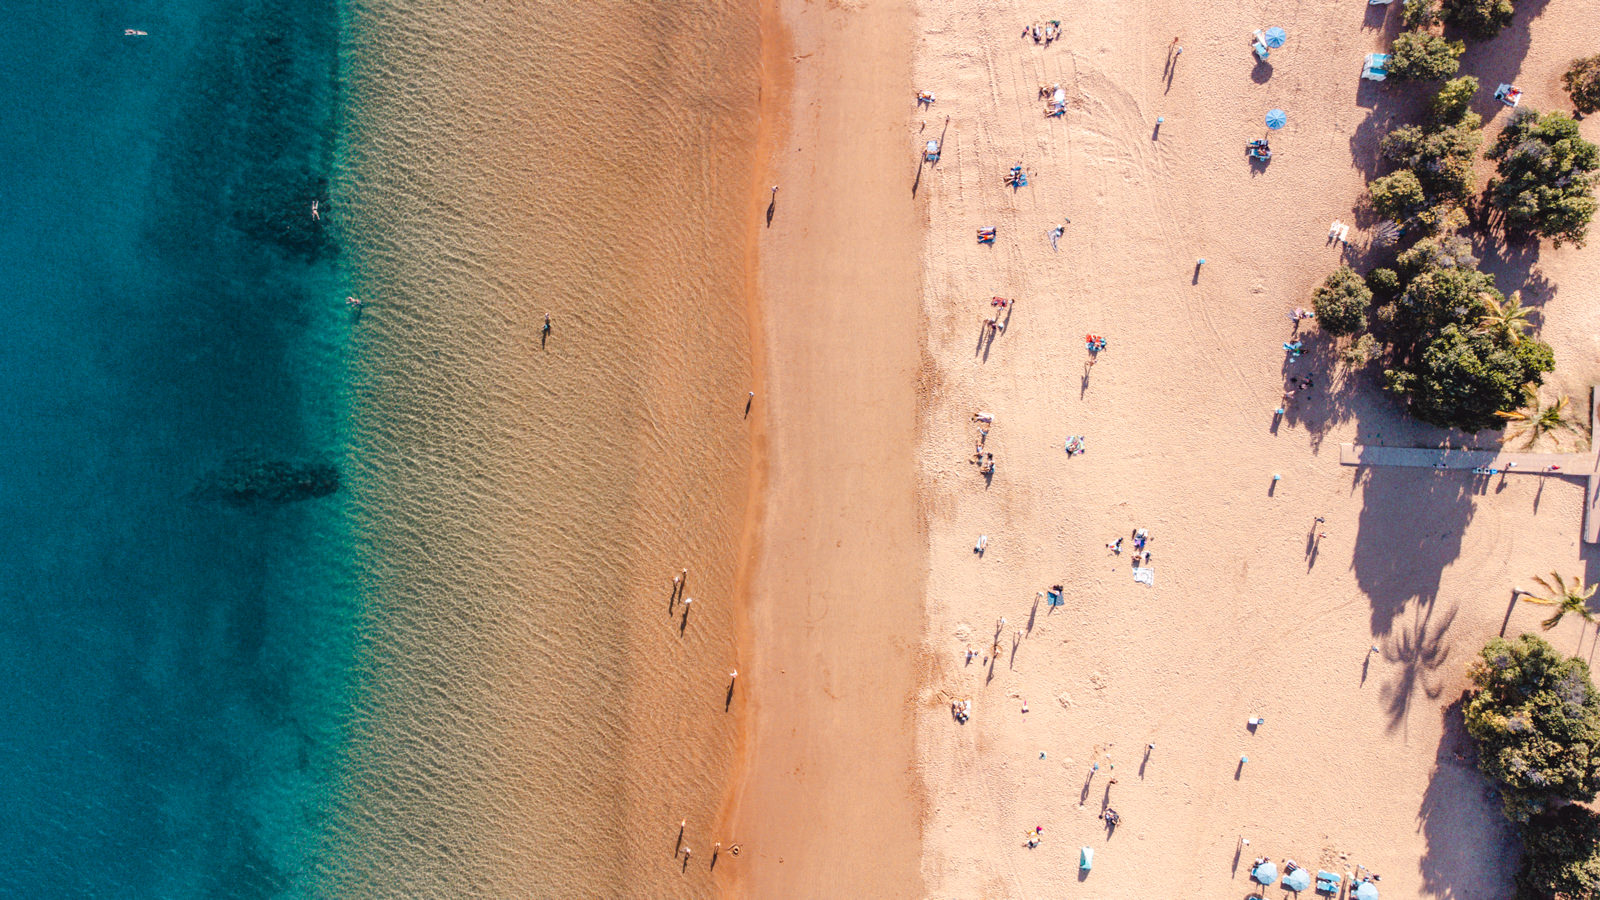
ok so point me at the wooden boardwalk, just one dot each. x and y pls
(1551, 465)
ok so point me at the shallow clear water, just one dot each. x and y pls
(175, 654)
(458, 673)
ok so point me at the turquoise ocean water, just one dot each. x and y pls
(177, 631)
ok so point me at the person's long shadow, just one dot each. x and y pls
(1471, 850)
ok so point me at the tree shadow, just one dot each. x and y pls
(1409, 529)
(1389, 109)
(1511, 262)
(1472, 850)
(1417, 653)
(1376, 17)
(1499, 60)
(1330, 400)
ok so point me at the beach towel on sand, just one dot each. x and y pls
(1144, 575)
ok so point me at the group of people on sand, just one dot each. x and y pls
(961, 710)
(1141, 541)
(982, 457)
(994, 323)
(1296, 385)
(1043, 35)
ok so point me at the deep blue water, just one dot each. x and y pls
(173, 656)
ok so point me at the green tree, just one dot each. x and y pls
(1442, 156)
(1480, 19)
(1420, 56)
(1397, 195)
(1384, 284)
(1416, 14)
(1536, 718)
(1448, 251)
(1566, 598)
(1546, 176)
(1465, 378)
(1453, 103)
(1583, 84)
(1560, 856)
(1441, 296)
(1341, 302)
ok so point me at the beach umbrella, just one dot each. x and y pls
(1276, 119)
(1366, 891)
(1266, 873)
(1298, 880)
(1275, 37)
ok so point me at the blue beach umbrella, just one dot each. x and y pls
(1276, 119)
(1275, 37)
(1298, 880)
(1366, 891)
(1266, 873)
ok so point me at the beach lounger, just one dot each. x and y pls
(1085, 858)
(1327, 882)
(1260, 47)
(1376, 68)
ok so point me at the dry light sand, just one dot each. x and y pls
(1361, 759)
(864, 600)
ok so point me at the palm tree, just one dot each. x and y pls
(1508, 316)
(1536, 419)
(1567, 598)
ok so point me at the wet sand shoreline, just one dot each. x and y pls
(827, 798)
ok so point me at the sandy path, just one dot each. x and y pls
(1251, 614)
(828, 805)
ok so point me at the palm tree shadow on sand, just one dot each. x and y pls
(1415, 655)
